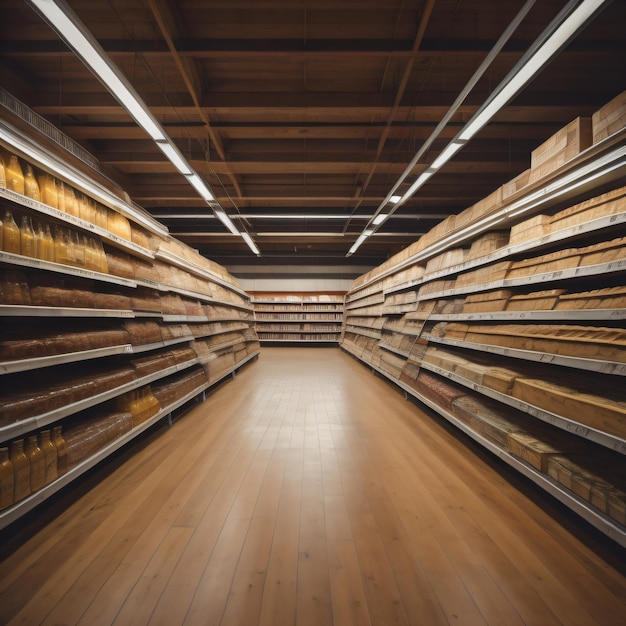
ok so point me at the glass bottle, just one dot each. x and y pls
(31, 187)
(28, 244)
(15, 176)
(71, 248)
(7, 479)
(50, 453)
(3, 173)
(72, 203)
(37, 464)
(48, 191)
(40, 240)
(49, 244)
(10, 234)
(21, 471)
(60, 445)
(60, 246)
(60, 186)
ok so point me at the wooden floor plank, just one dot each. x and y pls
(305, 492)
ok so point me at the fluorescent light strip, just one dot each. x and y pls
(532, 66)
(65, 23)
(222, 217)
(198, 184)
(176, 158)
(380, 218)
(250, 243)
(512, 84)
(69, 27)
(357, 244)
(422, 178)
(493, 53)
(448, 152)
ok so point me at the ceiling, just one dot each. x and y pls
(293, 108)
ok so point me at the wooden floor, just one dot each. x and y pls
(306, 491)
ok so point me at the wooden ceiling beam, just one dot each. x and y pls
(341, 109)
(165, 15)
(298, 168)
(293, 49)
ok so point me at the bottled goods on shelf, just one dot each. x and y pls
(10, 234)
(37, 462)
(21, 469)
(7, 479)
(15, 175)
(50, 454)
(106, 377)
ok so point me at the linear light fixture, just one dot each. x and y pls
(78, 38)
(250, 243)
(198, 184)
(558, 33)
(222, 217)
(177, 159)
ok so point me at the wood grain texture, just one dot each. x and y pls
(305, 491)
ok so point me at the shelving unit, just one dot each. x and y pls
(181, 324)
(299, 318)
(520, 344)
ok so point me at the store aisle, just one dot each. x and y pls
(306, 491)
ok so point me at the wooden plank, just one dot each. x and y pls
(336, 500)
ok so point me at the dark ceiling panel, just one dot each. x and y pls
(300, 102)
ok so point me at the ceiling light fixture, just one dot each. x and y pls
(380, 218)
(176, 158)
(73, 32)
(250, 243)
(558, 33)
(222, 217)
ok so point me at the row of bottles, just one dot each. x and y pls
(141, 404)
(30, 464)
(55, 193)
(67, 247)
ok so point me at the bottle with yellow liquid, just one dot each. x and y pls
(50, 454)
(59, 185)
(31, 186)
(3, 174)
(61, 446)
(40, 240)
(15, 176)
(37, 464)
(60, 246)
(28, 244)
(21, 471)
(48, 191)
(6, 479)
(49, 247)
(72, 202)
(10, 234)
